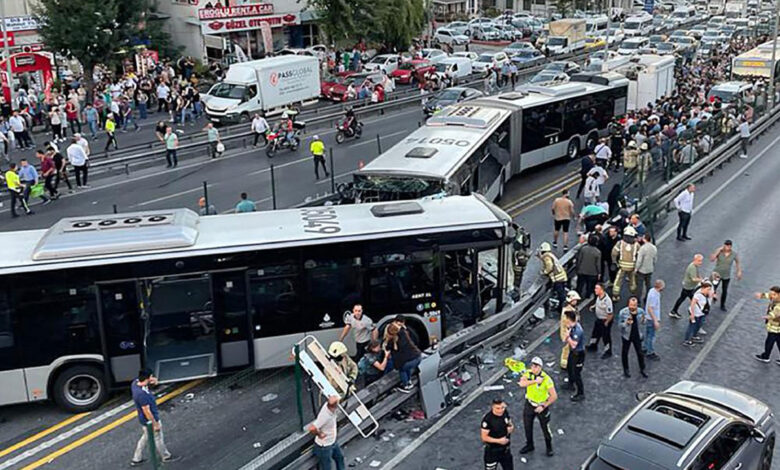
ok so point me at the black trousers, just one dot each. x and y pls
(684, 294)
(529, 414)
(602, 331)
(725, 293)
(585, 285)
(583, 177)
(772, 339)
(62, 175)
(496, 457)
(682, 226)
(17, 196)
(319, 160)
(258, 136)
(48, 183)
(361, 350)
(81, 174)
(170, 156)
(574, 370)
(637, 343)
(111, 140)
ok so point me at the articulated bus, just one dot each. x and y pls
(756, 63)
(477, 146)
(86, 303)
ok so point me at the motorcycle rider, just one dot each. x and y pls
(350, 121)
(286, 126)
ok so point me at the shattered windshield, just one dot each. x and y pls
(387, 188)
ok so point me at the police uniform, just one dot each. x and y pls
(772, 329)
(495, 454)
(536, 395)
(624, 253)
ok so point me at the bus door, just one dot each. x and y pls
(179, 328)
(121, 319)
(555, 145)
(231, 306)
(460, 305)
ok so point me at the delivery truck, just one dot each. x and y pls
(566, 35)
(736, 9)
(263, 86)
(650, 77)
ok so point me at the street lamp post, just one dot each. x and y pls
(7, 51)
(774, 53)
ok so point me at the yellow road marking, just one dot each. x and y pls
(539, 189)
(525, 209)
(42, 434)
(108, 427)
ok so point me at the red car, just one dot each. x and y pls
(334, 87)
(413, 70)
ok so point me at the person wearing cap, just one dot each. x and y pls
(643, 163)
(724, 258)
(772, 321)
(576, 344)
(632, 320)
(540, 394)
(630, 156)
(325, 430)
(146, 406)
(624, 254)
(554, 270)
(495, 432)
(210, 210)
(317, 149)
(699, 308)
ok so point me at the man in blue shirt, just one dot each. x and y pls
(146, 405)
(576, 342)
(245, 204)
(28, 175)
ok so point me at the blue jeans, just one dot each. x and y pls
(326, 453)
(649, 342)
(92, 128)
(407, 370)
(142, 111)
(693, 328)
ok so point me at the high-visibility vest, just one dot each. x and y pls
(553, 268)
(536, 393)
(627, 255)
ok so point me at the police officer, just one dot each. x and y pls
(624, 254)
(539, 395)
(317, 149)
(571, 306)
(554, 270)
(495, 431)
(772, 321)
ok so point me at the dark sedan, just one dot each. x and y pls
(447, 97)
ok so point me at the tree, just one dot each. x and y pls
(399, 22)
(91, 31)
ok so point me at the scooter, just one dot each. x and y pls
(344, 131)
(277, 140)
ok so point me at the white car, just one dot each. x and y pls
(470, 55)
(486, 33)
(460, 27)
(518, 46)
(632, 46)
(449, 36)
(385, 62)
(488, 60)
(433, 55)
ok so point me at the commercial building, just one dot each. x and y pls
(205, 28)
(21, 26)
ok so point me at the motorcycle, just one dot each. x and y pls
(277, 139)
(344, 131)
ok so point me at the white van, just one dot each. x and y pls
(631, 46)
(457, 68)
(683, 15)
(638, 25)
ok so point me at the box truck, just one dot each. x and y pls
(649, 78)
(566, 35)
(263, 86)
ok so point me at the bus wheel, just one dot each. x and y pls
(80, 388)
(593, 139)
(574, 148)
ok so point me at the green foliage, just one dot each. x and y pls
(392, 22)
(564, 7)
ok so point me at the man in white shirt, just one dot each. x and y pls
(19, 128)
(744, 136)
(78, 159)
(324, 429)
(603, 153)
(162, 97)
(684, 205)
(259, 127)
(363, 329)
(84, 143)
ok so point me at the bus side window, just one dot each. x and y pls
(394, 278)
(332, 286)
(6, 332)
(275, 297)
(460, 295)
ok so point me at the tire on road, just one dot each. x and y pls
(80, 388)
(573, 149)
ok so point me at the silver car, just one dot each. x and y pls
(690, 426)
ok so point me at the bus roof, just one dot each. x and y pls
(152, 235)
(755, 62)
(437, 149)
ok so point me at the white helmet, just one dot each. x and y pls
(285, 115)
(315, 137)
(337, 349)
(629, 231)
(545, 247)
(573, 295)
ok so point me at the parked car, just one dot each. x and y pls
(729, 92)
(470, 55)
(566, 66)
(449, 36)
(549, 77)
(485, 33)
(527, 57)
(518, 46)
(449, 96)
(508, 32)
(459, 27)
(632, 45)
(692, 426)
(489, 60)
(433, 55)
(335, 87)
(666, 48)
(382, 62)
(412, 71)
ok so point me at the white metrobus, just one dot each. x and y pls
(756, 63)
(86, 303)
(477, 146)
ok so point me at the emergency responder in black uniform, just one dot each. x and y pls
(539, 395)
(495, 431)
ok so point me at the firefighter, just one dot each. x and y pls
(340, 355)
(624, 254)
(520, 258)
(572, 297)
(554, 270)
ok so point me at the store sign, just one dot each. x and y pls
(21, 23)
(186, 2)
(11, 41)
(245, 24)
(243, 11)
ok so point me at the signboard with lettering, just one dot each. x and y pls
(21, 23)
(649, 6)
(220, 26)
(255, 9)
(11, 41)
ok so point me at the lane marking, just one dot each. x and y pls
(99, 432)
(171, 196)
(373, 141)
(720, 189)
(712, 341)
(407, 451)
(42, 434)
(520, 199)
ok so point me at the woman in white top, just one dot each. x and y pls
(55, 118)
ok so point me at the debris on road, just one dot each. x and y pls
(269, 397)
